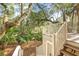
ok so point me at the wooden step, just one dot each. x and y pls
(66, 53)
(71, 47)
(76, 44)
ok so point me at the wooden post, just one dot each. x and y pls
(78, 22)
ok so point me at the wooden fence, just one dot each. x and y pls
(60, 38)
(52, 42)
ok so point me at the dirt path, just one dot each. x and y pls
(28, 49)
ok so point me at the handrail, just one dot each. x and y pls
(18, 51)
(49, 34)
(61, 27)
(60, 36)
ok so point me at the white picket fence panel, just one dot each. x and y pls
(18, 51)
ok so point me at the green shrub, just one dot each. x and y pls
(14, 35)
(38, 36)
(10, 36)
(21, 38)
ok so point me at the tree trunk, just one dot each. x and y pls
(8, 24)
(72, 21)
(21, 9)
(78, 22)
(64, 16)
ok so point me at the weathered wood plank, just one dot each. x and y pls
(66, 53)
(71, 47)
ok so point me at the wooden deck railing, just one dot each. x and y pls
(53, 42)
(60, 38)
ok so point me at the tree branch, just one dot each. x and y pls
(42, 10)
(7, 25)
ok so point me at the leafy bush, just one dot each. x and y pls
(29, 36)
(10, 36)
(15, 35)
(37, 36)
(21, 38)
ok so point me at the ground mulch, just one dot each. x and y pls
(29, 49)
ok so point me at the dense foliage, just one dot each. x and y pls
(26, 31)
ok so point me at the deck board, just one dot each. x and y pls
(73, 37)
